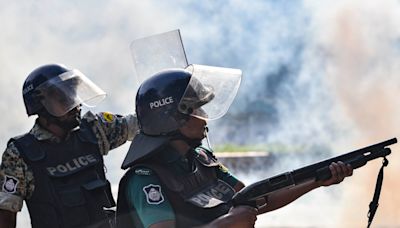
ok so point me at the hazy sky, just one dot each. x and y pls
(334, 64)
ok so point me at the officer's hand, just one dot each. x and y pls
(242, 216)
(339, 171)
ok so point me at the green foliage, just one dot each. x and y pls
(273, 148)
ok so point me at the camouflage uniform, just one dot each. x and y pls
(16, 179)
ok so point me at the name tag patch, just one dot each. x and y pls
(153, 194)
(213, 195)
(143, 172)
(10, 184)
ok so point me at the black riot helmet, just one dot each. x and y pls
(58, 89)
(161, 106)
(166, 100)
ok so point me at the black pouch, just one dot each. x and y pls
(74, 207)
(101, 189)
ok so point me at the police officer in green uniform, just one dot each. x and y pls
(173, 179)
(57, 167)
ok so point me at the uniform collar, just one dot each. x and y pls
(176, 161)
(169, 155)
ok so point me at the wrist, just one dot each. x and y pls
(317, 184)
(219, 222)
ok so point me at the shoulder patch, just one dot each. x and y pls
(143, 172)
(205, 157)
(153, 194)
(107, 117)
(202, 154)
(200, 150)
(10, 184)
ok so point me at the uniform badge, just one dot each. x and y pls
(108, 117)
(153, 194)
(10, 184)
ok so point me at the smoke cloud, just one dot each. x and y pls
(363, 70)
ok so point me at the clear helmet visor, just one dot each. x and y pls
(210, 91)
(61, 94)
(158, 52)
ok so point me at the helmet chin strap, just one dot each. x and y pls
(193, 143)
(177, 135)
(207, 138)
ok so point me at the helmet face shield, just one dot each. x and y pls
(61, 94)
(210, 91)
(158, 52)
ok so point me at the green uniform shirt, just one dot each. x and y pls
(144, 191)
(16, 179)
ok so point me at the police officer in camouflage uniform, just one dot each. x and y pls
(173, 179)
(58, 168)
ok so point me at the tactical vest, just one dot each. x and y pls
(197, 198)
(70, 185)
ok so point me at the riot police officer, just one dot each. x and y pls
(57, 167)
(173, 179)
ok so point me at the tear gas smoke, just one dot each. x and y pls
(347, 79)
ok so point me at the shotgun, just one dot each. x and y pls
(317, 171)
